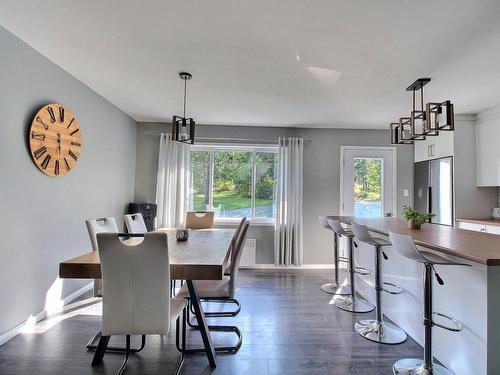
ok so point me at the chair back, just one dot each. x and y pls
(405, 246)
(361, 233)
(199, 220)
(324, 222)
(236, 235)
(135, 284)
(100, 225)
(235, 262)
(135, 223)
(337, 227)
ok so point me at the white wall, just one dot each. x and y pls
(42, 220)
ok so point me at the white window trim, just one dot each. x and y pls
(222, 221)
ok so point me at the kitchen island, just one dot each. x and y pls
(470, 294)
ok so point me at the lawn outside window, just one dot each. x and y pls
(234, 181)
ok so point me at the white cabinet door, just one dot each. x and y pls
(488, 152)
(472, 226)
(435, 147)
(494, 229)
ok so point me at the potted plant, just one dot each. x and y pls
(414, 218)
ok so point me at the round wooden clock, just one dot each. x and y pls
(55, 140)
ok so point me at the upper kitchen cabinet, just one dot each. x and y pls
(435, 147)
(488, 148)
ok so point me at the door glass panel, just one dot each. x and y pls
(368, 187)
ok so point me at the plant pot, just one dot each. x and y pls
(412, 224)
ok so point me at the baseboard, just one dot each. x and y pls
(10, 334)
(303, 267)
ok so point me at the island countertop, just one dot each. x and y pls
(477, 247)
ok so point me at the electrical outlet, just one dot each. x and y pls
(406, 193)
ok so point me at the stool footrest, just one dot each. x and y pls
(362, 271)
(396, 288)
(344, 259)
(457, 326)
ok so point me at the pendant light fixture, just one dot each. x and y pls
(418, 123)
(426, 121)
(440, 116)
(182, 127)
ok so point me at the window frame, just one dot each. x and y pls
(253, 149)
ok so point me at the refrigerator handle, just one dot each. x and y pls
(430, 201)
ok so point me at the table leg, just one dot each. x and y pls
(101, 350)
(202, 324)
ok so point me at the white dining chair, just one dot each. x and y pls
(95, 226)
(136, 296)
(221, 291)
(135, 223)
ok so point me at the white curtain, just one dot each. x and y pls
(172, 182)
(288, 243)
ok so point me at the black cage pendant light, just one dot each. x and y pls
(182, 127)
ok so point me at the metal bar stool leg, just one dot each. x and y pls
(413, 366)
(352, 302)
(376, 329)
(336, 287)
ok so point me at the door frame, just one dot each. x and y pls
(394, 151)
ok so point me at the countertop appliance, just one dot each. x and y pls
(433, 189)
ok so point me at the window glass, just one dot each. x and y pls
(265, 184)
(233, 182)
(200, 174)
(368, 187)
(232, 187)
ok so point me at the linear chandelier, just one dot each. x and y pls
(423, 121)
(182, 127)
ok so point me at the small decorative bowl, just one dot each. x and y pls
(182, 234)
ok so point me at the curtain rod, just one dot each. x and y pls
(271, 141)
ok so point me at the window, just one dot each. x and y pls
(234, 181)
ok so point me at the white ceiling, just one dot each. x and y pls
(317, 63)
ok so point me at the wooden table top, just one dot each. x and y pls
(477, 247)
(203, 257)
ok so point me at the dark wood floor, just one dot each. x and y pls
(289, 327)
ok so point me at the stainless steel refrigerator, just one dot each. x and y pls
(433, 189)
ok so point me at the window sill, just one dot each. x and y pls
(254, 222)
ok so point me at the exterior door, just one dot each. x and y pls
(368, 181)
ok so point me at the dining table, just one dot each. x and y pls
(204, 256)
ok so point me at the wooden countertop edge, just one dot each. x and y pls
(487, 262)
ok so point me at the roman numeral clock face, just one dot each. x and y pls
(55, 140)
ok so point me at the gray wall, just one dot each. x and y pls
(321, 175)
(42, 221)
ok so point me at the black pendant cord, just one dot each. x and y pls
(185, 95)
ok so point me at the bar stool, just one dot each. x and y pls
(376, 329)
(406, 247)
(336, 287)
(351, 302)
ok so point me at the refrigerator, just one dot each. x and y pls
(433, 189)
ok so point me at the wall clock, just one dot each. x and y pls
(55, 140)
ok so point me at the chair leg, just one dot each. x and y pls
(216, 328)
(182, 347)
(127, 352)
(113, 349)
(221, 314)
